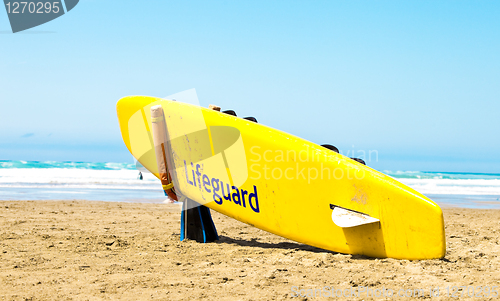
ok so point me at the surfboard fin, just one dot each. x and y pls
(197, 223)
(346, 218)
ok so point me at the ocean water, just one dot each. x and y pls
(50, 180)
(467, 190)
(32, 180)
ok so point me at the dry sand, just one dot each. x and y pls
(79, 250)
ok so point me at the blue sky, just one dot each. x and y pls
(417, 81)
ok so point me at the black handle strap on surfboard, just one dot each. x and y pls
(197, 223)
(335, 149)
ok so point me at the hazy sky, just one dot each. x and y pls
(417, 81)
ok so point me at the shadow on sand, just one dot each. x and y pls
(281, 245)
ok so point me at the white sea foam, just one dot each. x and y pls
(454, 186)
(127, 179)
(76, 178)
(30, 180)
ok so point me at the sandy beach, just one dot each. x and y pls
(81, 250)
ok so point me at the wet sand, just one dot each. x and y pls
(80, 250)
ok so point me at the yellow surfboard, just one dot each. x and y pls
(283, 184)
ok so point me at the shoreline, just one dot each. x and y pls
(443, 200)
(101, 250)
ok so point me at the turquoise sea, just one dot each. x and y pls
(51, 180)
